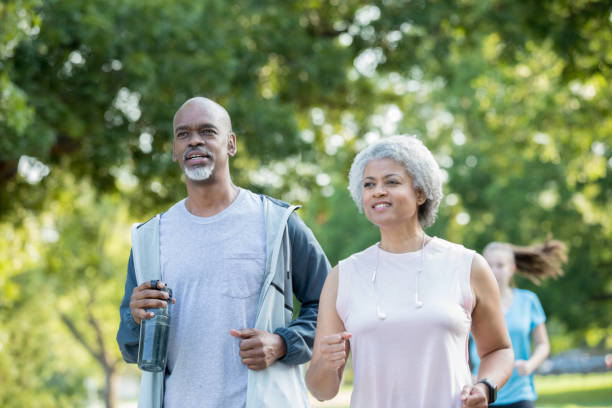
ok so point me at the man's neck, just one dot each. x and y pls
(208, 199)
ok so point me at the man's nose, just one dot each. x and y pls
(195, 139)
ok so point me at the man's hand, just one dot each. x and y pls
(259, 349)
(146, 296)
(475, 396)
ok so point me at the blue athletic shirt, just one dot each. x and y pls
(524, 315)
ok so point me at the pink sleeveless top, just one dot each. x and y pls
(415, 357)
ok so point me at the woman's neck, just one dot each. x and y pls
(398, 239)
(506, 296)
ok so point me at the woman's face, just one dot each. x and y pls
(388, 194)
(502, 265)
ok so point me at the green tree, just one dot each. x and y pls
(514, 104)
(103, 82)
(513, 98)
(73, 253)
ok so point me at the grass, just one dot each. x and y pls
(555, 391)
(575, 391)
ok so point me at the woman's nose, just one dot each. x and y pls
(380, 191)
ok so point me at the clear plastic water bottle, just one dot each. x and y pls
(154, 333)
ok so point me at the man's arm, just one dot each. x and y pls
(129, 331)
(309, 267)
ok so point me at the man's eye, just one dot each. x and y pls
(392, 182)
(367, 184)
(181, 134)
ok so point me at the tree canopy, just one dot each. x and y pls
(513, 98)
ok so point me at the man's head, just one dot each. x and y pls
(203, 139)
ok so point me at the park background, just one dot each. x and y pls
(513, 97)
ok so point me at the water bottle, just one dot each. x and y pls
(154, 333)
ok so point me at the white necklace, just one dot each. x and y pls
(418, 303)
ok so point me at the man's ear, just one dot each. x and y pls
(231, 145)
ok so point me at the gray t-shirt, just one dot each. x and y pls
(215, 267)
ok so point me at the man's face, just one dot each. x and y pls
(203, 141)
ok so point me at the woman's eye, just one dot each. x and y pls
(368, 184)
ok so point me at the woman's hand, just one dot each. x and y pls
(523, 367)
(331, 346)
(334, 351)
(474, 396)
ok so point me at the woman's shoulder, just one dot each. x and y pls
(361, 256)
(525, 294)
(442, 244)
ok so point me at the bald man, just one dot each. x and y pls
(234, 260)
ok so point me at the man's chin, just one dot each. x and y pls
(199, 173)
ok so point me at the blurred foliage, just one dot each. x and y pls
(38, 364)
(513, 98)
(62, 279)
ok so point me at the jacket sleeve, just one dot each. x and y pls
(129, 331)
(309, 267)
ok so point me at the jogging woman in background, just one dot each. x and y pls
(523, 313)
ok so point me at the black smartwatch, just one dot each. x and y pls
(492, 389)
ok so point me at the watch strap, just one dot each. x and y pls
(492, 387)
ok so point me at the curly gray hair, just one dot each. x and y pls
(418, 162)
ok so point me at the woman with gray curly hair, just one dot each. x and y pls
(404, 306)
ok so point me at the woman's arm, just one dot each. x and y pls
(331, 345)
(539, 336)
(489, 332)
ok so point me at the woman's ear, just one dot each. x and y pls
(421, 197)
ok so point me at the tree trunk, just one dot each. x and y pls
(108, 364)
(109, 387)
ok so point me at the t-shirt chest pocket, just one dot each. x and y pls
(243, 274)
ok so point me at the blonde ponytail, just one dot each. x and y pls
(536, 262)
